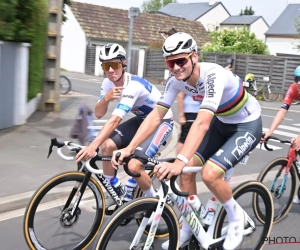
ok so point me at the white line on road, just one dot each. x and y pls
(89, 80)
(291, 135)
(288, 119)
(289, 128)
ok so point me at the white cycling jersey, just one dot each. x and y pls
(219, 91)
(138, 96)
(190, 105)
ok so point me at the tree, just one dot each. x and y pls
(65, 2)
(154, 5)
(235, 41)
(247, 12)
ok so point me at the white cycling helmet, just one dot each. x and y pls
(112, 51)
(177, 43)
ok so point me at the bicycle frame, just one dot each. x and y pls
(291, 157)
(205, 238)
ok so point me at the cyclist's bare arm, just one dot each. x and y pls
(106, 130)
(277, 120)
(148, 126)
(180, 99)
(101, 108)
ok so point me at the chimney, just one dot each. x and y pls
(211, 2)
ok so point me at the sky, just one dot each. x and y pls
(269, 9)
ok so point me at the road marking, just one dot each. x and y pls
(89, 80)
(289, 128)
(297, 124)
(288, 119)
(290, 135)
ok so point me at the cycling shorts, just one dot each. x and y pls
(185, 128)
(224, 145)
(124, 133)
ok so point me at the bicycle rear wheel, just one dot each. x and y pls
(35, 217)
(257, 189)
(270, 94)
(162, 231)
(128, 210)
(65, 85)
(275, 169)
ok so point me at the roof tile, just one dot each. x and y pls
(109, 23)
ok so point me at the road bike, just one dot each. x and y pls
(287, 168)
(269, 91)
(211, 237)
(74, 201)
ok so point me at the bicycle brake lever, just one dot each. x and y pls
(50, 149)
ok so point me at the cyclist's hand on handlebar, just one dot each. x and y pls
(124, 153)
(265, 136)
(86, 153)
(167, 170)
(296, 143)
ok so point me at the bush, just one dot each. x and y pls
(26, 21)
(235, 41)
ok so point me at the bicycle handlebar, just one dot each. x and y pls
(274, 138)
(155, 162)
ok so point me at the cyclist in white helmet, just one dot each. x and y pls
(132, 93)
(228, 126)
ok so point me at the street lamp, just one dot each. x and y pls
(132, 13)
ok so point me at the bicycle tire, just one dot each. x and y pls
(30, 237)
(160, 233)
(295, 101)
(277, 217)
(139, 205)
(274, 90)
(69, 85)
(265, 194)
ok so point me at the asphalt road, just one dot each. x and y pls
(11, 222)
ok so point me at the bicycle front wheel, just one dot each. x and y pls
(139, 205)
(256, 234)
(65, 85)
(48, 219)
(282, 189)
(162, 230)
(270, 93)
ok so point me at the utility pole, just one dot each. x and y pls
(132, 13)
(50, 95)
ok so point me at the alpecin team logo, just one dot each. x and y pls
(243, 145)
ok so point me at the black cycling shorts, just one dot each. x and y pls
(224, 145)
(124, 133)
(185, 128)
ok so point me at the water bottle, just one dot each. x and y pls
(129, 189)
(195, 202)
(117, 185)
(208, 214)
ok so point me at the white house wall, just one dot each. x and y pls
(213, 18)
(282, 45)
(259, 28)
(73, 45)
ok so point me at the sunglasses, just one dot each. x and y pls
(181, 61)
(113, 65)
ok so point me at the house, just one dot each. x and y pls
(89, 27)
(281, 36)
(256, 24)
(210, 14)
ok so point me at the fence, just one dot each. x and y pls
(280, 68)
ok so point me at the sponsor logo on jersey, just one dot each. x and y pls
(210, 85)
(198, 98)
(149, 101)
(128, 96)
(160, 136)
(100, 97)
(190, 89)
(123, 107)
(243, 145)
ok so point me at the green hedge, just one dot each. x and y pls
(26, 21)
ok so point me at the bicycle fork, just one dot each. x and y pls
(163, 191)
(281, 188)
